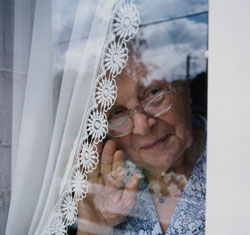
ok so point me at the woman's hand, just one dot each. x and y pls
(108, 200)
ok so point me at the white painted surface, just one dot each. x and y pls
(228, 191)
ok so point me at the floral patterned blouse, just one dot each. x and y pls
(189, 214)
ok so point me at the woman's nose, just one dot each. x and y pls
(143, 123)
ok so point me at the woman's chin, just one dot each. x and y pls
(161, 161)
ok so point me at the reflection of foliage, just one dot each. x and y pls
(198, 86)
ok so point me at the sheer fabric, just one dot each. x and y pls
(44, 131)
(54, 74)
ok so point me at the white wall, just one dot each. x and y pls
(228, 184)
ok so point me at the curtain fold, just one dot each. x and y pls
(23, 25)
(35, 124)
(89, 57)
(46, 133)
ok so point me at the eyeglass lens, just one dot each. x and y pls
(159, 104)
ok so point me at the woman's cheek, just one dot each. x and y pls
(124, 143)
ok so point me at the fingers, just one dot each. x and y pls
(112, 161)
(110, 171)
(118, 171)
(130, 190)
(107, 157)
(108, 201)
(120, 202)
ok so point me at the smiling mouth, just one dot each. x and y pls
(157, 144)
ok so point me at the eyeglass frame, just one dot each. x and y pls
(130, 113)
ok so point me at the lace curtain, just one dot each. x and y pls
(55, 71)
(46, 123)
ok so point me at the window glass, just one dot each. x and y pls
(109, 117)
(152, 173)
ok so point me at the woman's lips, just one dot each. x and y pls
(156, 144)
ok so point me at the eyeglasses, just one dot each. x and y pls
(122, 123)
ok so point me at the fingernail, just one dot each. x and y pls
(136, 178)
(138, 175)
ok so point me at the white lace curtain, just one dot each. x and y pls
(57, 48)
(50, 96)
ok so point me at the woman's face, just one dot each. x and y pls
(155, 144)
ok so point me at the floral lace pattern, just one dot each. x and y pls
(106, 92)
(89, 157)
(97, 125)
(116, 57)
(126, 22)
(68, 208)
(79, 183)
(123, 26)
(56, 226)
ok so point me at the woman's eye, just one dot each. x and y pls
(116, 113)
(152, 92)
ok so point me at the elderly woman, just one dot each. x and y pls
(152, 125)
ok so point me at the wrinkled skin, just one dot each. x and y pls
(155, 144)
